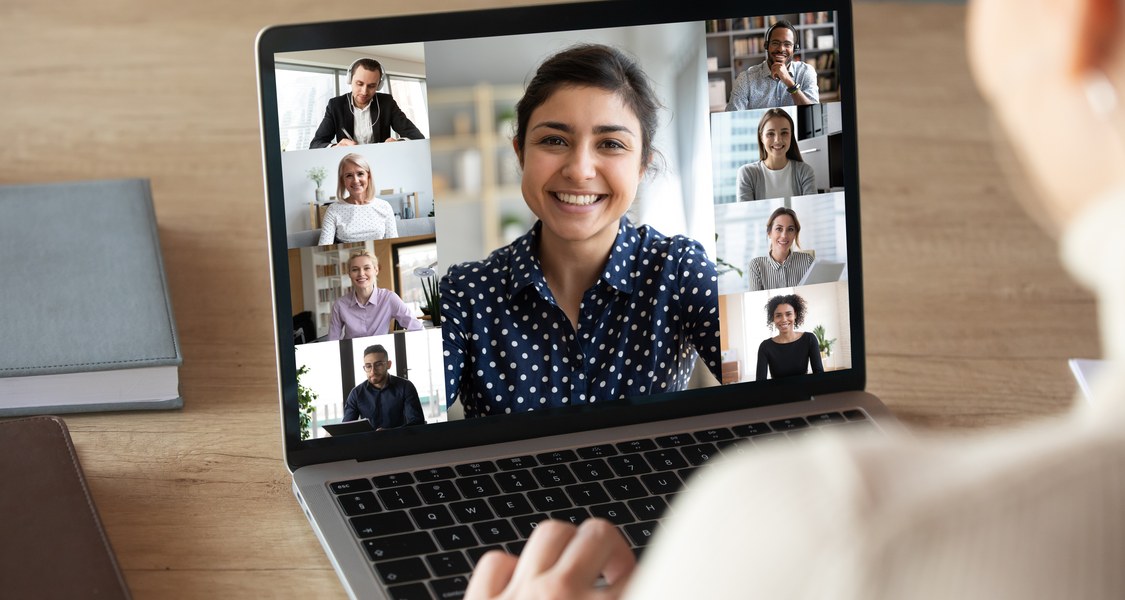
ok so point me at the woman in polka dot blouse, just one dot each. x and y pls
(359, 216)
(585, 307)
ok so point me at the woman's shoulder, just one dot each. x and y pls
(651, 239)
(494, 267)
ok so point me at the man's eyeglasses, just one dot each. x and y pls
(775, 44)
(369, 366)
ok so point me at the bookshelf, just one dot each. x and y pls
(734, 45)
(330, 266)
(476, 174)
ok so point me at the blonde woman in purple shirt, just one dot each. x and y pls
(365, 309)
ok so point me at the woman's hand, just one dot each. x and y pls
(559, 561)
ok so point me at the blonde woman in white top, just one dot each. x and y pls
(359, 216)
(1029, 512)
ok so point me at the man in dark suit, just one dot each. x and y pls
(385, 400)
(363, 116)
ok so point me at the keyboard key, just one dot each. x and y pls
(640, 533)
(751, 429)
(591, 470)
(789, 424)
(629, 464)
(573, 515)
(429, 517)
(599, 451)
(471, 511)
(434, 474)
(477, 487)
(527, 524)
(854, 415)
(399, 546)
(410, 591)
(700, 453)
(510, 505)
(455, 538)
(350, 486)
(399, 497)
(553, 475)
(359, 504)
(662, 460)
(516, 462)
(476, 468)
(439, 492)
(770, 439)
(736, 447)
(614, 512)
(557, 457)
(678, 439)
(662, 483)
(475, 554)
(448, 563)
(648, 508)
(549, 500)
(801, 434)
(515, 547)
(516, 481)
(495, 532)
(393, 480)
(714, 435)
(686, 473)
(402, 571)
(636, 446)
(625, 488)
(450, 588)
(585, 494)
(826, 418)
(382, 524)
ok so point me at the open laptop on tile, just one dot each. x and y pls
(491, 419)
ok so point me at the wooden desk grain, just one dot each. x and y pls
(970, 317)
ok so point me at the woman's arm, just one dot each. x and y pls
(746, 183)
(328, 227)
(806, 179)
(401, 313)
(335, 323)
(814, 353)
(763, 362)
(392, 224)
(455, 343)
(699, 302)
(755, 276)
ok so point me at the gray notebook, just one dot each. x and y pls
(85, 316)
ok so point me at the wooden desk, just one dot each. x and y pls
(970, 317)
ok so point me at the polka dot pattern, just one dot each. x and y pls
(510, 348)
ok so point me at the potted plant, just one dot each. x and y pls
(318, 175)
(305, 399)
(823, 342)
(432, 307)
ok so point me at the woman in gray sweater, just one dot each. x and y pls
(781, 172)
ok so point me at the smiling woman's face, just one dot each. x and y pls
(581, 163)
(776, 137)
(362, 271)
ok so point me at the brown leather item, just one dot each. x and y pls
(51, 541)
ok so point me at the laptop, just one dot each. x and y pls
(394, 192)
(822, 271)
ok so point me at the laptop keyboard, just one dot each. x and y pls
(423, 531)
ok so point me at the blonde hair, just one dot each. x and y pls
(360, 162)
(362, 254)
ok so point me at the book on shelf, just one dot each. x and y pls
(87, 320)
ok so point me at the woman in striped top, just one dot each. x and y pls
(783, 267)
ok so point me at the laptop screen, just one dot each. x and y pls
(503, 230)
